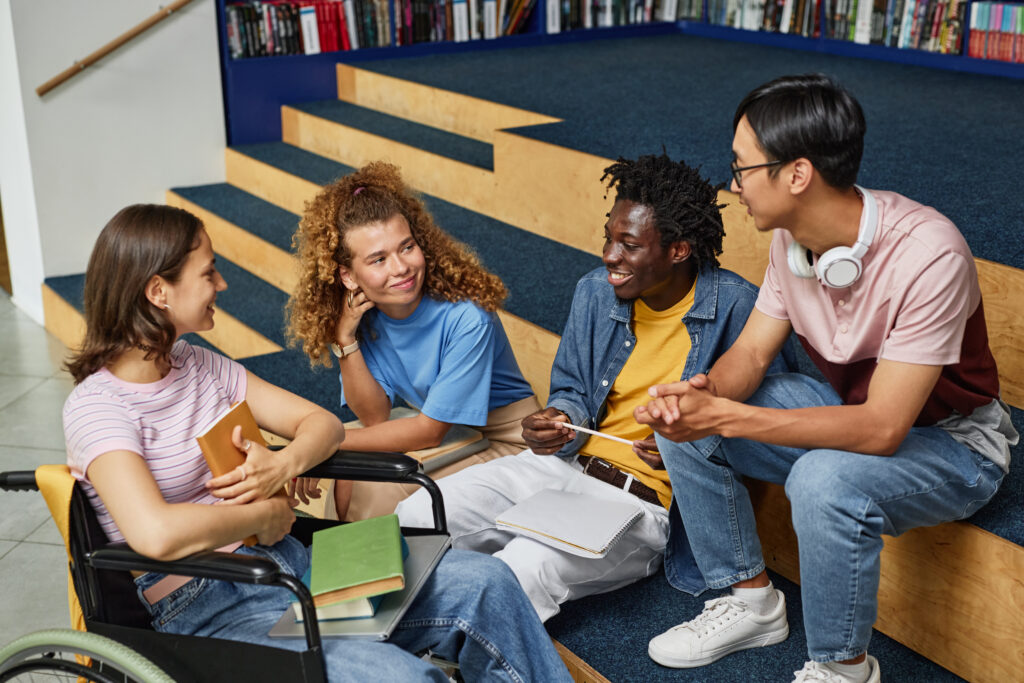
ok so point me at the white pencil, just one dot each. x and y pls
(600, 434)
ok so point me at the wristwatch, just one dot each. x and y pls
(346, 351)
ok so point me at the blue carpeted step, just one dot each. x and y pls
(268, 222)
(297, 161)
(435, 140)
(607, 632)
(540, 293)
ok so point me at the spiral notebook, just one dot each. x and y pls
(575, 523)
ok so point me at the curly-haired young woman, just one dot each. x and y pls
(408, 312)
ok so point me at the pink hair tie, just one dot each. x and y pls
(358, 190)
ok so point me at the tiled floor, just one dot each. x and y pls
(33, 584)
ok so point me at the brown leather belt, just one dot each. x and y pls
(610, 474)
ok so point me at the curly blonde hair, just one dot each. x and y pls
(374, 193)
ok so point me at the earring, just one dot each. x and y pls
(167, 307)
(351, 298)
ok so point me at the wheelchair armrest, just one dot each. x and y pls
(387, 467)
(212, 564)
(208, 564)
(366, 466)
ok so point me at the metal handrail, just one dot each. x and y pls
(80, 65)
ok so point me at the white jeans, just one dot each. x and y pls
(474, 497)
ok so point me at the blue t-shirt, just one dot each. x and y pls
(451, 361)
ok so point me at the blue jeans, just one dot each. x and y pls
(471, 610)
(842, 503)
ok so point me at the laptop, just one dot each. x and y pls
(424, 554)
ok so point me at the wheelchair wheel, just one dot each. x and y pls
(51, 656)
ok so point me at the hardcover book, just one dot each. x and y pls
(220, 453)
(357, 608)
(355, 560)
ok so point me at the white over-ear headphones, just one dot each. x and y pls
(838, 267)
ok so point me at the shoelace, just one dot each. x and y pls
(813, 672)
(716, 614)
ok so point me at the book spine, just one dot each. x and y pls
(995, 20)
(552, 13)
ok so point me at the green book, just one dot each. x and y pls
(356, 560)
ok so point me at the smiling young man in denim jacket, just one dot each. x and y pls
(659, 310)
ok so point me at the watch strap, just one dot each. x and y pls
(341, 352)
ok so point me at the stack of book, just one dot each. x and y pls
(353, 567)
(997, 32)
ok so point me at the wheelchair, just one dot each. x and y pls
(119, 644)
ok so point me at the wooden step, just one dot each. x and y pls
(470, 184)
(461, 114)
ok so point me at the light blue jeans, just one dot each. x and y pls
(842, 504)
(471, 610)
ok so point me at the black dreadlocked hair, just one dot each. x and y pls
(685, 206)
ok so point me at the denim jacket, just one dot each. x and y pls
(596, 342)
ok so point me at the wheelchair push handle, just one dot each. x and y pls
(21, 480)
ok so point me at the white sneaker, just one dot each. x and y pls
(814, 672)
(726, 625)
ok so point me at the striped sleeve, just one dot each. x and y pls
(96, 423)
(229, 374)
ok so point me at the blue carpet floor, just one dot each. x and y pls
(946, 139)
(620, 651)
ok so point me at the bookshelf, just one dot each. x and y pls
(256, 87)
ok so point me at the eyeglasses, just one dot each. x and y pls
(737, 173)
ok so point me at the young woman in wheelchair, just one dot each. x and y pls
(143, 394)
(409, 312)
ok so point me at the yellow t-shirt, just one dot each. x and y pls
(662, 345)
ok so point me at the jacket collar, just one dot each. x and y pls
(705, 299)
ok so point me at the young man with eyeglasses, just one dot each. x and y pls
(908, 431)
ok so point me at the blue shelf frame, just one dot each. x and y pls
(256, 88)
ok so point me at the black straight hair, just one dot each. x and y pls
(685, 206)
(809, 116)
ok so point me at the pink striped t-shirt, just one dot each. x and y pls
(159, 421)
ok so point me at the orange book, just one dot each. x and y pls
(220, 453)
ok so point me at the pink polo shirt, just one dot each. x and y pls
(917, 301)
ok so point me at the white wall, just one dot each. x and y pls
(144, 119)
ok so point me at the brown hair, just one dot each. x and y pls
(140, 241)
(373, 194)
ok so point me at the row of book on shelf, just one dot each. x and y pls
(930, 25)
(996, 32)
(260, 28)
(567, 15)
